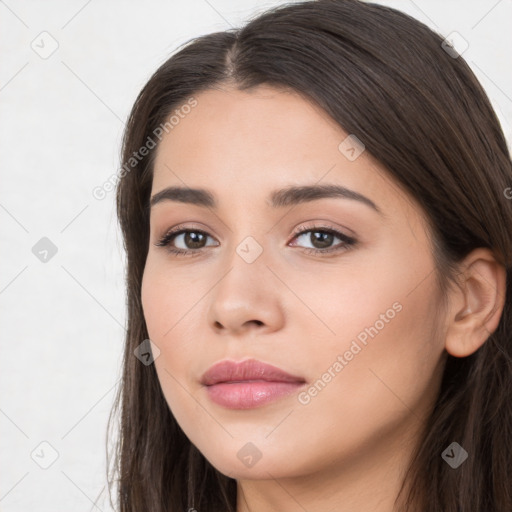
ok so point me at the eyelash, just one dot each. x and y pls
(347, 241)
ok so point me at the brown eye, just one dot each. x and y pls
(194, 240)
(184, 241)
(322, 240)
(191, 242)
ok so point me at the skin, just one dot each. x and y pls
(348, 447)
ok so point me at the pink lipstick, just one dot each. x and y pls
(248, 384)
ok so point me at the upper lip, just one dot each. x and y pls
(248, 370)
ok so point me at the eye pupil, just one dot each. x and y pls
(194, 240)
(322, 238)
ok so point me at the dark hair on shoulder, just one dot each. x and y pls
(383, 76)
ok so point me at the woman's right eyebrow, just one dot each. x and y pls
(288, 196)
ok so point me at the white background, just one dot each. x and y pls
(61, 122)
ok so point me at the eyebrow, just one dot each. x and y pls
(278, 198)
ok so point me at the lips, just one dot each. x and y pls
(248, 384)
(248, 370)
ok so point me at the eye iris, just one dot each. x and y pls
(323, 239)
(194, 240)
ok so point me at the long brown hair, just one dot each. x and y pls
(420, 111)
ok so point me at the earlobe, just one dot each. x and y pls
(477, 303)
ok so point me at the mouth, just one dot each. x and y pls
(248, 384)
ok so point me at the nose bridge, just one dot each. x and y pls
(247, 240)
(244, 249)
(244, 293)
(245, 267)
(250, 249)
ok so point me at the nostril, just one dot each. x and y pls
(218, 325)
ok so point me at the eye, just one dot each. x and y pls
(321, 239)
(190, 242)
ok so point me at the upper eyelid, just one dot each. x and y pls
(300, 230)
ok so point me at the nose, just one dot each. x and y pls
(245, 299)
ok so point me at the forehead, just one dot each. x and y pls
(263, 124)
(252, 142)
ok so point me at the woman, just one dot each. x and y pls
(319, 257)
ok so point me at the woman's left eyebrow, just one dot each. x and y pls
(288, 196)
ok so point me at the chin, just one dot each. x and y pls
(248, 463)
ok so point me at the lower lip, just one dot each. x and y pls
(250, 394)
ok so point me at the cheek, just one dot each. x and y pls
(165, 317)
(383, 356)
(167, 312)
(166, 296)
(172, 308)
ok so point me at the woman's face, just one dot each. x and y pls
(353, 322)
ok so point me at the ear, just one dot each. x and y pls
(477, 304)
